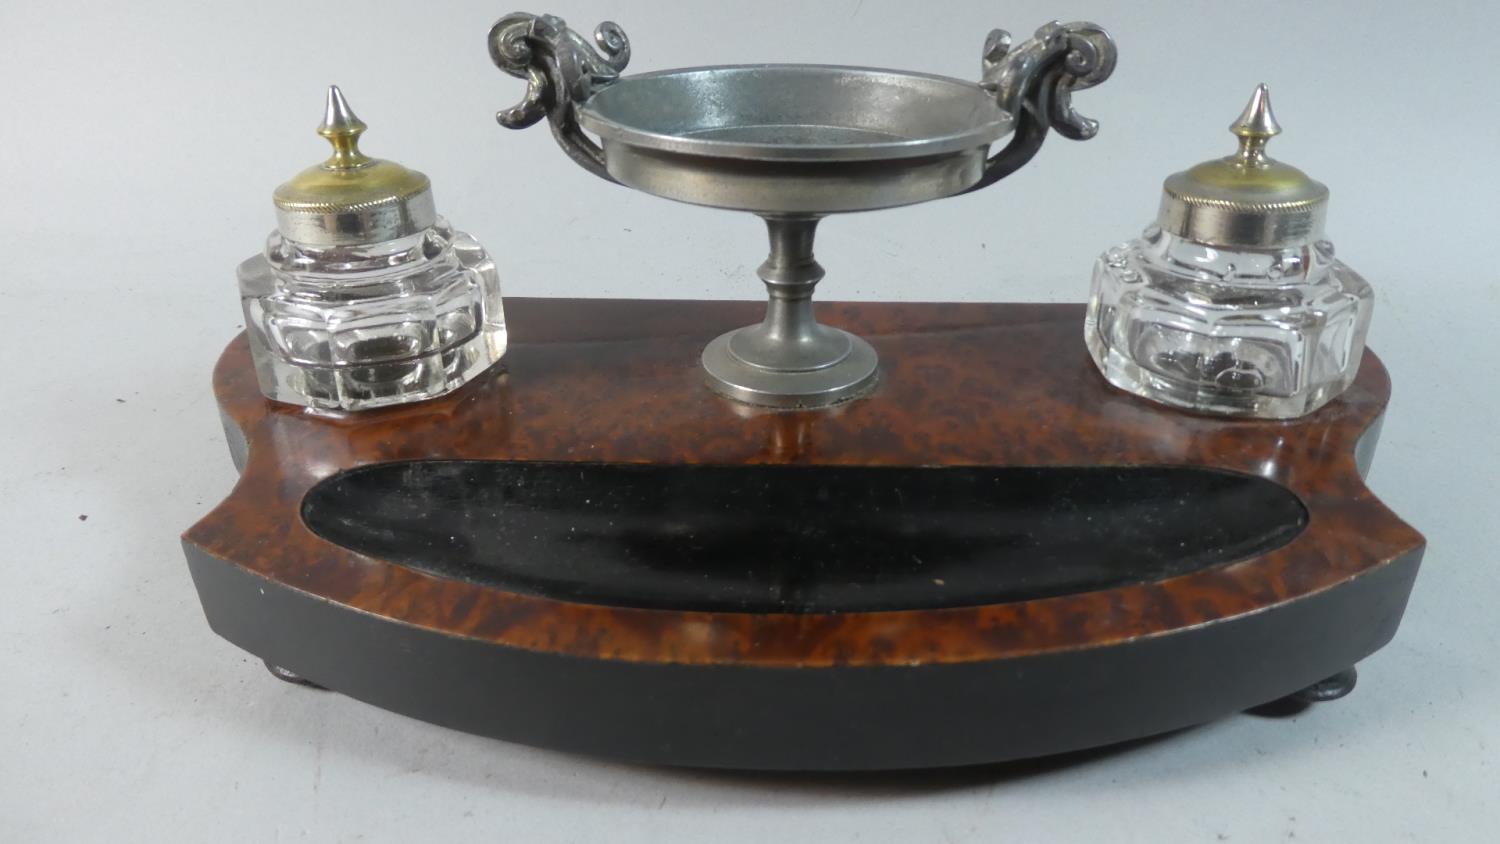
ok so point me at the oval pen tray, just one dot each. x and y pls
(774, 538)
(994, 555)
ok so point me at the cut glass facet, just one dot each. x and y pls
(357, 327)
(1266, 333)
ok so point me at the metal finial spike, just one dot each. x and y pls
(342, 129)
(1257, 120)
(1255, 126)
(338, 117)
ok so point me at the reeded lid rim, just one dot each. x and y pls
(350, 197)
(296, 194)
(1245, 199)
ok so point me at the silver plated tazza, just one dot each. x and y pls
(793, 143)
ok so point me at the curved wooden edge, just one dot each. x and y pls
(798, 718)
(964, 385)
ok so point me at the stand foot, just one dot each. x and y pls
(291, 677)
(790, 360)
(730, 375)
(1330, 688)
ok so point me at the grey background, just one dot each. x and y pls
(139, 144)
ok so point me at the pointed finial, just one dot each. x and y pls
(342, 129)
(1255, 127)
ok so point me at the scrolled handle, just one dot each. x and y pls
(562, 69)
(1035, 82)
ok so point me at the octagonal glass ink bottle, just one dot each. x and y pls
(1232, 302)
(364, 296)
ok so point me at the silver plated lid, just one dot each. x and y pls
(351, 198)
(1247, 199)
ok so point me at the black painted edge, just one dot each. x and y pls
(835, 718)
(234, 437)
(1364, 449)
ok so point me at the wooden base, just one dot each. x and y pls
(996, 555)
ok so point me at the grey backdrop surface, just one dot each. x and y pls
(139, 144)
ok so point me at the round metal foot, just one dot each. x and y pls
(291, 677)
(850, 374)
(1331, 688)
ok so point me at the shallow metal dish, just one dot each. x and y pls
(794, 143)
(794, 112)
(733, 136)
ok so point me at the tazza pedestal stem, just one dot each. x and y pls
(790, 360)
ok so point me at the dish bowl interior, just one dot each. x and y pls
(795, 113)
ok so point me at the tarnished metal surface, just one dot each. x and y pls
(792, 143)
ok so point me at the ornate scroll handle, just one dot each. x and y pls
(1035, 82)
(562, 70)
